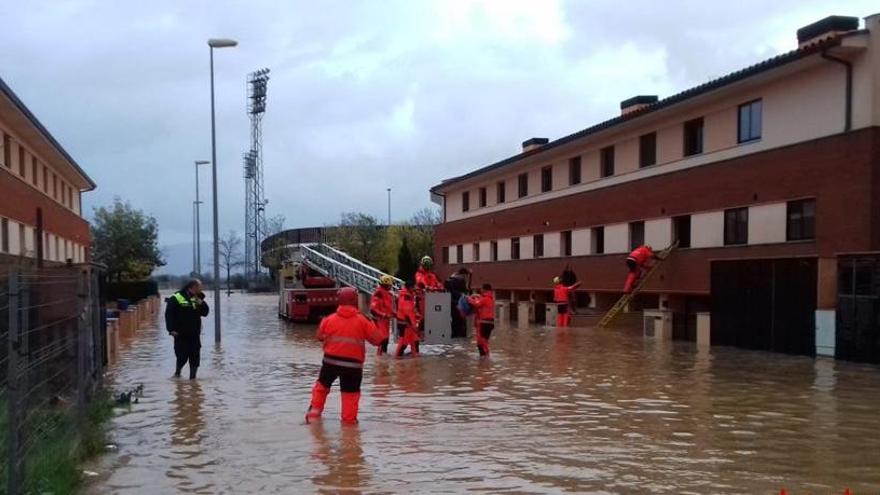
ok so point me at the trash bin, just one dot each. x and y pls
(122, 304)
(523, 310)
(550, 312)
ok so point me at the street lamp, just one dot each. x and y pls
(389, 207)
(198, 248)
(216, 43)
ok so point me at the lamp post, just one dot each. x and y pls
(389, 207)
(216, 43)
(198, 265)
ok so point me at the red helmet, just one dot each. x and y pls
(348, 296)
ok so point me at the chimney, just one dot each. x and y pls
(636, 103)
(829, 27)
(533, 144)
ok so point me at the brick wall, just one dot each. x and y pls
(20, 202)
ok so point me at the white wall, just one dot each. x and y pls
(503, 249)
(580, 240)
(658, 232)
(617, 238)
(767, 223)
(553, 243)
(526, 245)
(707, 229)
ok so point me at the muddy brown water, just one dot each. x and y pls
(580, 410)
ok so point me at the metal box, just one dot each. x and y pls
(438, 319)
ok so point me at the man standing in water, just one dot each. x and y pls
(343, 334)
(184, 311)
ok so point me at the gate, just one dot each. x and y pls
(765, 305)
(858, 309)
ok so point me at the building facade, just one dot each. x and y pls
(777, 161)
(40, 191)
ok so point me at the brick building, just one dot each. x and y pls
(40, 191)
(769, 178)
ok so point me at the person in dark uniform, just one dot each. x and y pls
(458, 285)
(184, 311)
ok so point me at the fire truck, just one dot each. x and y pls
(306, 294)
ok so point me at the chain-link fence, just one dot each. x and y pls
(52, 354)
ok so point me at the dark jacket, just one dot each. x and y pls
(185, 318)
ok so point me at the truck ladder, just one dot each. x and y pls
(624, 301)
(343, 268)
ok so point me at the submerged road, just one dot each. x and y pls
(581, 410)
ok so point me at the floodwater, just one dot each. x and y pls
(579, 410)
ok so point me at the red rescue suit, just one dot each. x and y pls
(637, 261)
(382, 309)
(562, 296)
(407, 323)
(344, 334)
(484, 319)
(426, 280)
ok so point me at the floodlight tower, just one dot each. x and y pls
(255, 201)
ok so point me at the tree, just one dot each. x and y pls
(230, 255)
(406, 263)
(359, 235)
(126, 241)
(275, 224)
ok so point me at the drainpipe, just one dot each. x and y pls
(847, 126)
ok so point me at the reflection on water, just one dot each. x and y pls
(572, 410)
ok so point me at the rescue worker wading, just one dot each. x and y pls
(382, 309)
(637, 262)
(484, 319)
(562, 297)
(183, 320)
(343, 334)
(407, 322)
(426, 281)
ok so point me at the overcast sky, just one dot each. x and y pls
(363, 95)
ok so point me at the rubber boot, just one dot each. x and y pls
(401, 346)
(382, 348)
(350, 402)
(560, 320)
(566, 319)
(192, 372)
(319, 398)
(415, 348)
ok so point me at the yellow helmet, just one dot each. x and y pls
(386, 280)
(427, 261)
(556, 280)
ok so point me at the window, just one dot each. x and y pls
(54, 186)
(801, 223)
(21, 243)
(514, 248)
(45, 179)
(648, 150)
(459, 253)
(736, 226)
(749, 121)
(547, 179)
(681, 231)
(565, 243)
(4, 235)
(523, 180)
(21, 162)
(476, 248)
(538, 246)
(6, 145)
(444, 253)
(500, 192)
(693, 137)
(636, 234)
(483, 200)
(574, 170)
(597, 240)
(34, 170)
(606, 158)
(493, 250)
(465, 201)
(57, 249)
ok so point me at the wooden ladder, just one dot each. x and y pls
(621, 303)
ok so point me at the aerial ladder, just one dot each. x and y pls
(345, 269)
(622, 303)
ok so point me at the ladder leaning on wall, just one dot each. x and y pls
(621, 303)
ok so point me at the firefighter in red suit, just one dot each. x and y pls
(426, 281)
(382, 309)
(562, 297)
(637, 262)
(407, 321)
(483, 305)
(343, 334)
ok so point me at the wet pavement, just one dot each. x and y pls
(580, 410)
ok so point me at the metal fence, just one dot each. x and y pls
(52, 354)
